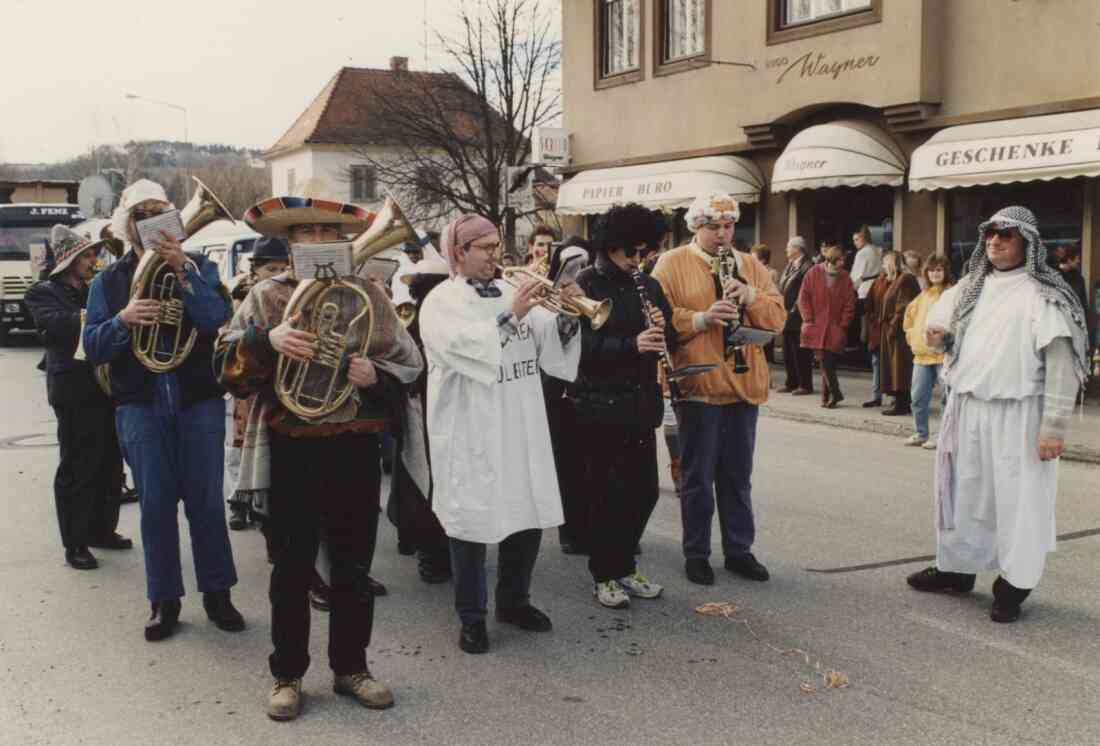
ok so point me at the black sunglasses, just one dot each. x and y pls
(1002, 233)
(631, 252)
(139, 215)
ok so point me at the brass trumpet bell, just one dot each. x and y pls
(406, 313)
(597, 312)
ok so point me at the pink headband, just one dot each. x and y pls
(462, 231)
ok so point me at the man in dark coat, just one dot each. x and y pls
(86, 487)
(797, 360)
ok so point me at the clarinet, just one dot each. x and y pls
(724, 267)
(647, 309)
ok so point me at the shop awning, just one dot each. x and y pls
(848, 152)
(1056, 146)
(666, 185)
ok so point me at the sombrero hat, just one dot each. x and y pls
(274, 216)
(67, 245)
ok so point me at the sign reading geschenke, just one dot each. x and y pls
(1067, 153)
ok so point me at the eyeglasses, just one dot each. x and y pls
(140, 215)
(485, 246)
(1002, 233)
(632, 252)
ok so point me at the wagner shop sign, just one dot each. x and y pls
(819, 65)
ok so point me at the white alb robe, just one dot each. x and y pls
(1002, 517)
(492, 465)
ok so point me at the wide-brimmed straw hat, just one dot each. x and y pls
(274, 216)
(67, 245)
(433, 263)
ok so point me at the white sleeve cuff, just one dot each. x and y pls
(699, 321)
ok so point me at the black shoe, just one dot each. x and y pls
(113, 541)
(238, 518)
(525, 617)
(375, 588)
(220, 610)
(1006, 601)
(129, 495)
(433, 567)
(896, 411)
(162, 624)
(405, 549)
(80, 559)
(746, 566)
(872, 403)
(474, 638)
(932, 580)
(319, 599)
(699, 571)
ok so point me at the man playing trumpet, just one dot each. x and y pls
(492, 465)
(323, 474)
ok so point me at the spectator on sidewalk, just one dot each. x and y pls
(764, 254)
(913, 264)
(873, 330)
(796, 359)
(865, 267)
(927, 362)
(896, 359)
(827, 304)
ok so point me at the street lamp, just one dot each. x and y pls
(186, 138)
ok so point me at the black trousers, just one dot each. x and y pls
(86, 487)
(622, 487)
(322, 485)
(798, 361)
(569, 462)
(830, 384)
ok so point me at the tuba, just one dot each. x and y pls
(339, 312)
(165, 344)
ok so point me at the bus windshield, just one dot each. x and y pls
(15, 243)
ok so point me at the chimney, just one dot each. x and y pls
(399, 64)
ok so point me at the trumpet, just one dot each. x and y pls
(597, 313)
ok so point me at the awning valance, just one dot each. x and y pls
(667, 185)
(1056, 146)
(848, 152)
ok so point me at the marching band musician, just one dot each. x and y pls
(171, 425)
(87, 486)
(617, 402)
(323, 477)
(718, 413)
(493, 472)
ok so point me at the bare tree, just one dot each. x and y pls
(442, 141)
(235, 181)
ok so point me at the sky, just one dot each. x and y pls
(243, 69)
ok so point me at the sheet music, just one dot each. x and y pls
(149, 230)
(320, 260)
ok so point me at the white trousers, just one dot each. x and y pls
(1004, 495)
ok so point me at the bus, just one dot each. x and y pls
(25, 230)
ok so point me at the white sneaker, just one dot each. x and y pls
(611, 595)
(639, 585)
(915, 440)
(929, 445)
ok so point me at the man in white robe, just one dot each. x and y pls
(1015, 338)
(493, 472)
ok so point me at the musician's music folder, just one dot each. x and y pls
(149, 230)
(318, 261)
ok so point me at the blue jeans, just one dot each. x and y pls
(924, 380)
(876, 386)
(717, 442)
(178, 455)
(515, 562)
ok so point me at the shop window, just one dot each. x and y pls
(1058, 206)
(683, 35)
(364, 184)
(619, 42)
(789, 20)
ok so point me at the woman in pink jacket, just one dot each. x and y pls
(827, 303)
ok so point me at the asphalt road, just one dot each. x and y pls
(922, 669)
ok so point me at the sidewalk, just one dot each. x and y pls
(1082, 442)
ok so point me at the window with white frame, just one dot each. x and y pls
(684, 29)
(364, 184)
(797, 12)
(621, 30)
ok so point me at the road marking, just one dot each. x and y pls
(35, 441)
(929, 557)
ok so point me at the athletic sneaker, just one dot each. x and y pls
(929, 445)
(611, 595)
(639, 585)
(916, 439)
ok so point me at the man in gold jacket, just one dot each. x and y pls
(718, 411)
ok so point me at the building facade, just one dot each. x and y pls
(915, 117)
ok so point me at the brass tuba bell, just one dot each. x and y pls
(165, 344)
(389, 228)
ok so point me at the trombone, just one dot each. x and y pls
(597, 313)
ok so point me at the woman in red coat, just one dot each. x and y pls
(827, 303)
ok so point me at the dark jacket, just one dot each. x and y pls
(56, 309)
(790, 285)
(207, 307)
(615, 384)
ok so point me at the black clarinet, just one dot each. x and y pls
(724, 267)
(647, 310)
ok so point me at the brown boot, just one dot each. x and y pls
(368, 690)
(285, 700)
(674, 469)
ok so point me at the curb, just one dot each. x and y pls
(1077, 453)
